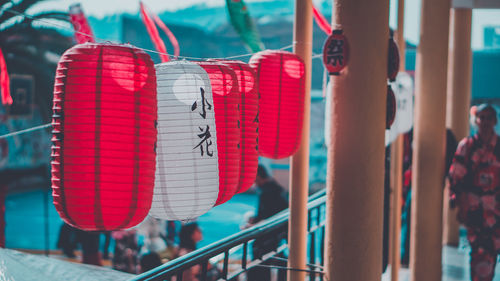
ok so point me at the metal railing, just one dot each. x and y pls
(238, 246)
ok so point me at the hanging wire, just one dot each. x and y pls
(308, 264)
(110, 41)
(316, 56)
(26, 131)
(143, 49)
(290, 268)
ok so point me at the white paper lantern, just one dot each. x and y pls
(403, 90)
(187, 174)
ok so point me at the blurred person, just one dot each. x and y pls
(272, 197)
(67, 240)
(189, 235)
(149, 261)
(89, 240)
(272, 200)
(107, 242)
(126, 251)
(153, 231)
(475, 190)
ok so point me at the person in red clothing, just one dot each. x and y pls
(475, 190)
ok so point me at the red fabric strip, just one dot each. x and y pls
(278, 122)
(132, 211)
(83, 32)
(321, 21)
(169, 33)
(98, 218)
(4, 81)
(153, 33)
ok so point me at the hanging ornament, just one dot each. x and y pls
(4, 81)
(335, 52)
(187, 177)
(281, 105)
(393, 60)
(227, 120)
(104, 135)
(391, 107)
(249, 129)
(83, 32)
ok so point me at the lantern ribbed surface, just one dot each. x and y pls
(281, 101)
(249, 129)
(227, 120)
(187, 175)
(104, 135)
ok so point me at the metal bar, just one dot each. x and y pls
(291, 268)
(322, 247)
(312, 254)
(244, 258)
(226, 265)
(204, 270)
(309, 220)
(271, 225)
(179, 275)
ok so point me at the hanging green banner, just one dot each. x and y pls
(244, 25)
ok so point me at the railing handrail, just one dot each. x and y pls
(203, 254)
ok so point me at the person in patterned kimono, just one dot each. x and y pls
(475, 190)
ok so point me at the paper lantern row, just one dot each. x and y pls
(173, 139)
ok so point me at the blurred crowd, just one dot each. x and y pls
(134, 250)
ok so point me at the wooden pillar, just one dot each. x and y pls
(299, 164)
(397, 162)
(458, 99)
(428, 142)
(355, 175)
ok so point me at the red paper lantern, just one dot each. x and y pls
(335, 52)
(393, 60)
(281, 104)
(103, 143)
(249, 115)
(224, 85)
(391, 108)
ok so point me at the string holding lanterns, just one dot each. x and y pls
(227, 120)
(104, 135)
(281, 101)
(249, 126)
(187, 176)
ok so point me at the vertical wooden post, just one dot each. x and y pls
(355, 173)
(397, 162)
(299, 164)
(429, 138)
(458, 98)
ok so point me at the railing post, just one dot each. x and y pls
(458, 98)
(428, 161)
(397, 161)
(299, 167)
(355, 175)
